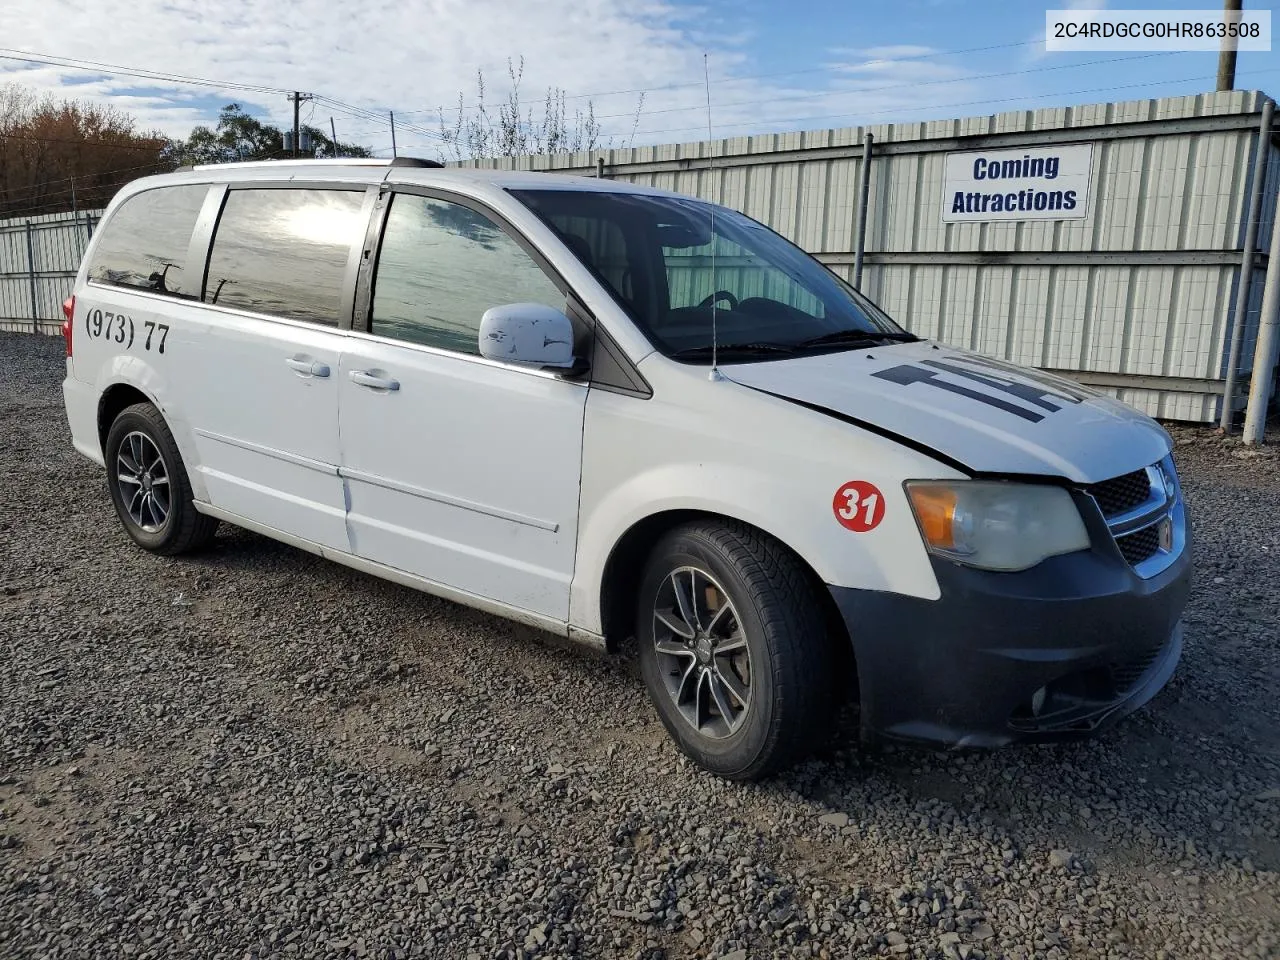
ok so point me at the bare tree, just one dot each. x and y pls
(58, 153)
(512, 130)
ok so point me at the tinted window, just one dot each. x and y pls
(144, 244)
(284, 252)
(441, 266)
(600, 245)
(683, 255)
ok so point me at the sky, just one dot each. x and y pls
(773, 65)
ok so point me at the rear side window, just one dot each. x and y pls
(284, 252)
(441, 266)
(144, 244)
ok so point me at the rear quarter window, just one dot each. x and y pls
(144, 243)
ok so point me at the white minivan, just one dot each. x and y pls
(613, 412)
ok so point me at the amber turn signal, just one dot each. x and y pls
(935, 508)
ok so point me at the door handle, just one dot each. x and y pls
(367, 379)
(310, 368)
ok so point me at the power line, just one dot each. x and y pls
(160, 142)
(365, 113)
(76, 63)
(932, 55)
(99, 197)
(940, 106)
(10, 194)
(899, 86)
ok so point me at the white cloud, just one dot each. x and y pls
(415, 55)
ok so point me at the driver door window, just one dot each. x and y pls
(441, 266)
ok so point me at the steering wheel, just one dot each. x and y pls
(721, 295)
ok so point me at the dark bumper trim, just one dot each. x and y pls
(965, 670)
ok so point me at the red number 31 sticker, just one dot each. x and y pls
(859, 506)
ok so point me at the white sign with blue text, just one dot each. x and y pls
(1034, 183)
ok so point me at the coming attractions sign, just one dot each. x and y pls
(1046, 183)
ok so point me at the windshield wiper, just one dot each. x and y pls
(857, 336)
(694, 353)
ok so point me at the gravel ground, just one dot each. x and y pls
(255, 753)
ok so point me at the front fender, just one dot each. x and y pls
(761, 461)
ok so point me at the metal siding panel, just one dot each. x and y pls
(893, 289)
(991, 327)
(735, 187)
(842, 192)
(931, 232)
(1072, 293)
(786, 182)
(1103, 343)
(1027, 315)
(925, 316)
(1117, 218)
(814, 205)
(1165, 184)
(760, 194)
(897, 196)
(1149, 315)
(958, 315)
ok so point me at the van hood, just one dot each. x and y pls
(984, 415)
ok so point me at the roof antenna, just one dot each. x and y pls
(714, 374)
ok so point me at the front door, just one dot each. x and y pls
(459, 469)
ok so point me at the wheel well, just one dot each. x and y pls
(115, 399)
(622, 572)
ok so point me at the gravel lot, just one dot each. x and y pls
(255, 753)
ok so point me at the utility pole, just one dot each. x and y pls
(297, 99)
(1227, 55)
(392, 114)
(334, 132)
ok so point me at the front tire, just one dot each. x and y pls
(734, 649)
(149, 485)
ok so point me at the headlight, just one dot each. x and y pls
(996, 526)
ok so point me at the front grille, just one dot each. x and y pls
(1126, 675)
(1122, 493)
(1140, 546)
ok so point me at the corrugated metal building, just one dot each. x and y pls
(39, 257)
(1140, 287)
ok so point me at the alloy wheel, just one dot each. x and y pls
(143, 480)
(702, 652)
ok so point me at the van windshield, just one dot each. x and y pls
(670, 261)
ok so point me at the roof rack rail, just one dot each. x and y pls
(326, 162)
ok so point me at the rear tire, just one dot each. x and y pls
(735, 650)
(149, 485)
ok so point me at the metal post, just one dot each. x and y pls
(599, 166)
(31, 273)
(297, 103)
(334, 131)
(1264, 355)
(861, 216)
(1241, 314)
(1227, 54)
(392, 114)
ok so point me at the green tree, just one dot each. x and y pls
(239, 136)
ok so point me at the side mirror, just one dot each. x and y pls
(532, 334)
